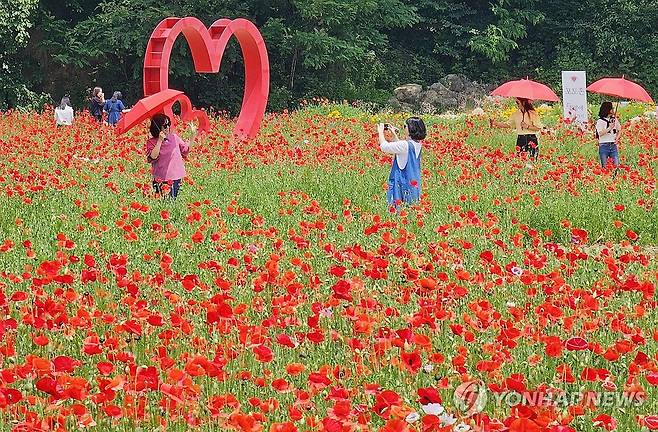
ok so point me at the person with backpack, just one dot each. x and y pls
(114, 108)
(96, 103)
(404, 181)
(527, 123)
(608, 132)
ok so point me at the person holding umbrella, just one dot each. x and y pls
(527, 123)
(608, 127)
(525, 120)
(166, 152)
(608, 131)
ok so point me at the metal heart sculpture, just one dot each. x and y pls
(207, 46)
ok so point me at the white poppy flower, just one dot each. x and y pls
(412, 417)
(447, 419)
(517, 271)
(433, 409)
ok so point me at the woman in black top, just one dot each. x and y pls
(96, 104)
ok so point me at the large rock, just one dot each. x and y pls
(408, 93)
(448, 103)
(394, 103)
(452, 93)
(405, 107)
(430, 97)
(455, 83)
(439, 88)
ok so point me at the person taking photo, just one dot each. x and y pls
(404, 181)
(608, 132)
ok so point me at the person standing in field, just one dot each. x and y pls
(527, 123)
(114, 108)
(64, 112)
(166, 151)
(96, 103)
(608, 132)
(404, 181)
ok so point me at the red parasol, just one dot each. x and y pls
(622, 88)
(526, 89)
(158, 103)
(146, 108)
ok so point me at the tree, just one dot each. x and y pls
(340, 49)
(474, 38)
(603, 38)
(509, 24)
(16, 18)
(337, 49)
(317, 48)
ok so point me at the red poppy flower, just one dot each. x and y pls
(384, 401)
(428, 395)
(650, 421)
(576, 344)
(605, 421)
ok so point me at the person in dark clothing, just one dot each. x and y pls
(96, 104)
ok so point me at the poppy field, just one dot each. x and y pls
(278, 293)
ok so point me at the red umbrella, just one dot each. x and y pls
(146, 108)
(526, 89)
(620, 87)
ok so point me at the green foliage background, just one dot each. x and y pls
(338, 49)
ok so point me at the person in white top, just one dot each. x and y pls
(64, 113)
(608, 132)
(398, 147)
(404, 181)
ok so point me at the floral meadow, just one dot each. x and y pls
(279, 293)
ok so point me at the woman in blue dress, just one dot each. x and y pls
(404, 182)
(114, 108)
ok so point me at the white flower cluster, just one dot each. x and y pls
(478, 112)
(445, 418)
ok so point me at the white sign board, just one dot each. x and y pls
(574, 96)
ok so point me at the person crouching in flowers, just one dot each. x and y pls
(404, 182)
(165, 152)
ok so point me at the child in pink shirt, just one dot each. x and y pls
(165, 152)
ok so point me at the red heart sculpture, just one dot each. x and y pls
(207, 46)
